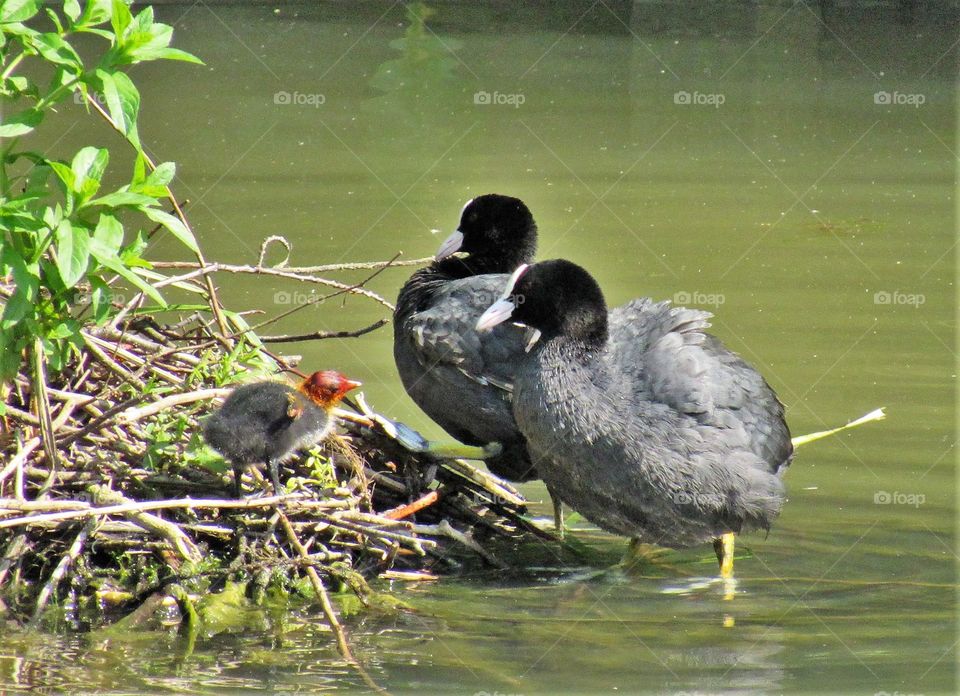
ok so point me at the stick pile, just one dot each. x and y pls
(107, 492)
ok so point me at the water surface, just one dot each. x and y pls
(735, 159)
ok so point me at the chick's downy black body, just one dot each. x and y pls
(267, 422)
(658, 433)
(462, 379)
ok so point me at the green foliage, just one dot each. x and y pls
(63, 241)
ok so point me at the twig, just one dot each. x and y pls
(292, 275)
(168, 531)
(398, 513)
(211, 290)
(134, 414)
(42, 402)
(267, 501)
(318, 335)
(326, 268)
(444, 528)
(342, 646)
(62, 567)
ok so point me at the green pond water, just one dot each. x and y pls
(733, 157)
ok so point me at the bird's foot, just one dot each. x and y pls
(723, 546)
(639, 554)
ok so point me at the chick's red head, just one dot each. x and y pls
(327, 387)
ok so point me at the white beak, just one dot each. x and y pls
(450, 246)
(503, 308)
(496, 314)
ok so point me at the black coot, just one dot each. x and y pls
(641, 421)
(460, 378)
(266, 422)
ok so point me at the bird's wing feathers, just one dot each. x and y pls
(674, 368)
(444, 334)
(694, 373)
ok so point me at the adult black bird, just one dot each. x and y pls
(460, 378)
(641, 421)
(267, 422)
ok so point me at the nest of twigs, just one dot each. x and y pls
(108, 496)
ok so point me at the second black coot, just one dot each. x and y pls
(640, 420)
(460, 378)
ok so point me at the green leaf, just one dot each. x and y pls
(100, 298)
(163, 174)
(120, 19)
(123, 102)
(173, 224)
(18, 10)
(108, 257)
(56, 50)
(64, 173)
(72, 9)
(109, 232)
(174, 54)
(139, 168)
(73, 252)
(26, 279)
(95, 12)
(55, 18)
(64, 329)
(88, 166)
(156, 183)
(20, 123)
(105, 245)
(118, 198)
(17, 86)
(144, 20)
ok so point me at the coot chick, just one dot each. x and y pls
(460, 378)
(266, 422)
(667, 437)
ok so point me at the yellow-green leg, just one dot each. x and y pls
(557, 512)
(723, 546)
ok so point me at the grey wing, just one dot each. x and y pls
(684, 367)
(660, 347)
(445, 333)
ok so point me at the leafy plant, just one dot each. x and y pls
(63, 241)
